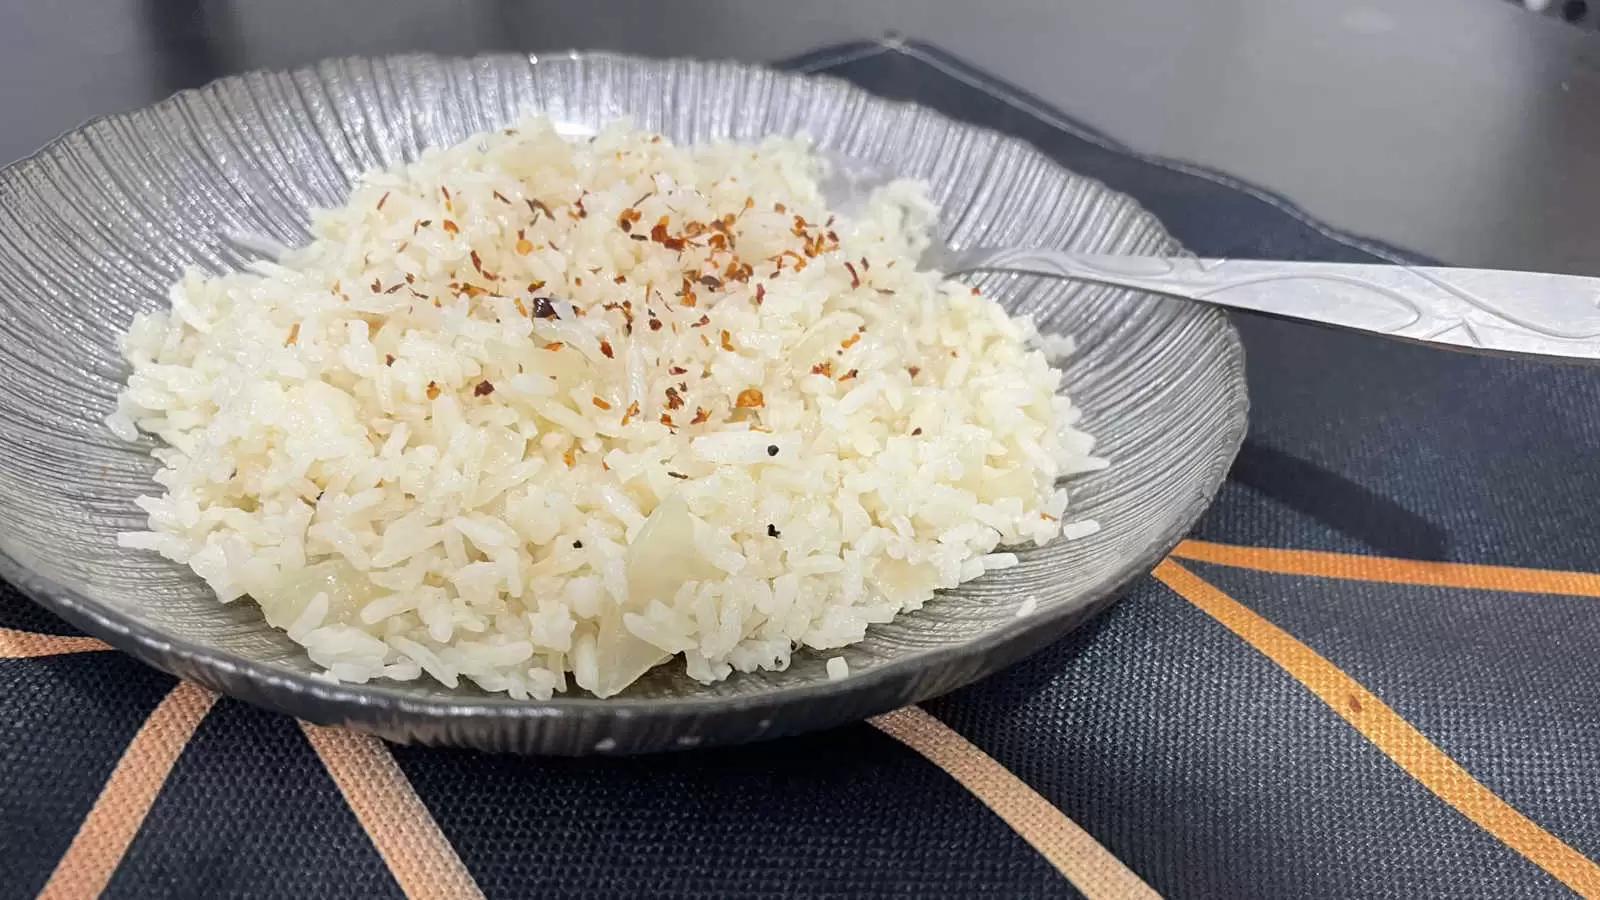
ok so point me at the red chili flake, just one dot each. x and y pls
(855, 280)
(717, 242)
(701, 322)
(382, 200)
(679, 475)
(658, 233)
(686, 293)
(674, 399)
(582, 213)
(477, 263)
(620, 279)
(798, 229)
(451, 227)
(1043, 515)
(727, 341)
(501, 197)
(823, 368)
(446, 192)
(761, 294)
(666, 419)
(676, 370)
(915, 432)
(534, 286)
(914, 370)
(294, 335)
(605, 348)
(410, 278)
(820, 245)
(848, 375)
(701, 414)
(630, 412)
(628, 217)
(850, 341)
(521, 310)
(524, 246)
(388, 359)
(739, 271)
(433, 390)
(472, 290)
(779, 207)
(601, 403)
(749, 398)
(554, 345)
(483, 389)
(655, 324)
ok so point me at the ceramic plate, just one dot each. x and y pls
(95, 226)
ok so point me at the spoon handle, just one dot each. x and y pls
(1478, 310)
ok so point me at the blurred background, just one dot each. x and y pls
(1574, 11)
(1463, 129)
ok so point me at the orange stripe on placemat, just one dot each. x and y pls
(1396, 737)
(114, 820)
(1091, 868)
(1356, 567)
(16, 644)
(409, 840)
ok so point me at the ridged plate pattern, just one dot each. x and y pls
(96, 226)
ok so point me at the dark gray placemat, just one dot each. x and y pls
(1165, 728)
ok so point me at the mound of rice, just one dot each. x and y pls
(531, 406)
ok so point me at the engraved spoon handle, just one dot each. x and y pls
(1481, 310)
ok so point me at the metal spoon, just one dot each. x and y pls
(1477, 310)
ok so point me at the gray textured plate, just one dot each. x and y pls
(94, 227)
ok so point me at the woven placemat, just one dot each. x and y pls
(1369, 674)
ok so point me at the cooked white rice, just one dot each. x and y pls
(530, 407)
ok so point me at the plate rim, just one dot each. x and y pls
(213, 667)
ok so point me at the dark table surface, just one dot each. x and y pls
(1468, 130)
